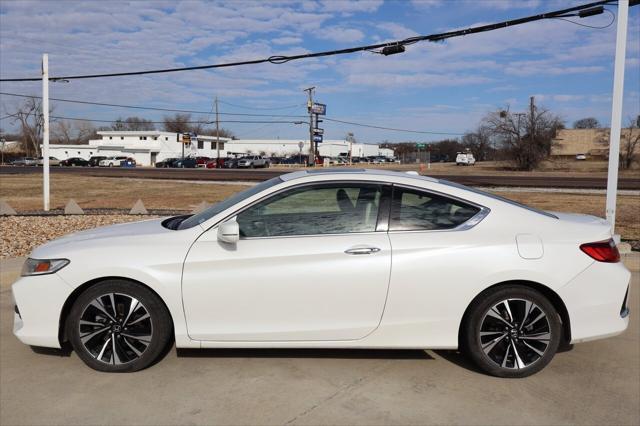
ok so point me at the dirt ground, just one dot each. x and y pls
(24, 193)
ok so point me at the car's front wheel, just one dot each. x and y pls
(512, 331)
(118, 326)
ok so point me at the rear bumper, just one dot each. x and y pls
(596, 301)
(39, 301)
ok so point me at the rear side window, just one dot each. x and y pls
(414, 210)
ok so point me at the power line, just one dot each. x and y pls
(424, 132)
(222, 113)
(281, 59)
(75, 101)
(167, 122)
(261, 108)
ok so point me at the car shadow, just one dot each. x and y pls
(65, 351)
(306, 353)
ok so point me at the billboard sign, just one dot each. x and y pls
(320, 109)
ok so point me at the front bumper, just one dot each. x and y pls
(39, 301)
(596, 301)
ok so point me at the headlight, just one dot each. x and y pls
(42, 266)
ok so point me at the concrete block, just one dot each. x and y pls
(73, 208)
(138, 208)
(6, 209)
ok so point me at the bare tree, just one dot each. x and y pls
(133, 124)
(479, 142)
(72, 133)
(526, 137)
(178, 123)
(29, 116)
(183, 123)
(587, 123)
(630, 142)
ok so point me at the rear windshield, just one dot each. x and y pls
(497, 197)
(229, 202)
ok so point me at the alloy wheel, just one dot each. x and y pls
(515, 333)
(115, 328)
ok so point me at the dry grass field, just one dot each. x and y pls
(24, 193)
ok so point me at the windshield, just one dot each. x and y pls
(229, 202)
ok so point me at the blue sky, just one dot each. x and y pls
(445, 87)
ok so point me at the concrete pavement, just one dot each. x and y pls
(594, 383)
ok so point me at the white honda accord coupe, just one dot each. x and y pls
(331, 259)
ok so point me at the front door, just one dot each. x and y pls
(309, 266)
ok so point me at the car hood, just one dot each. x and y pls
(125, 231)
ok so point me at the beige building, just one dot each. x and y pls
(591, 142)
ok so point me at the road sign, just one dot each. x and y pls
(186, 138)
(420, 145)
(317, 138)
(318, 131)
(300, 145)
(320, 109)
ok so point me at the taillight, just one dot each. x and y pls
(602, 251)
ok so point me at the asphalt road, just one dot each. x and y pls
(263, 174)
(594, 383)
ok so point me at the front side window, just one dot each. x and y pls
(413, 210)
(314, 210)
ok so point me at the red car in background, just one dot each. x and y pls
(215, 163)
(202, 161)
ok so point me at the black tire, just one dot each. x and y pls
(133, 353)
(515, 351)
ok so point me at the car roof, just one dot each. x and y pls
(367, 172)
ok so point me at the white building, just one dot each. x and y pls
(146, 147)
(149, 147)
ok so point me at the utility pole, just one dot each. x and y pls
(616, 114)
(312, 151)
(178, 139)
(45, 130)
(217, 135)
(532, 127)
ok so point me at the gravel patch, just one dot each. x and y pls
(21, 234)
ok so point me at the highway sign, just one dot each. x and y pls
(317, 138)
(318, 131)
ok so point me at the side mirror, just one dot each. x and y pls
(229, 232)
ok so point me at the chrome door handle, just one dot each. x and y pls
(362, 250)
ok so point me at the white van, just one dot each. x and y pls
(465, 159)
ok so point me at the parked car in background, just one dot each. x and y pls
(230, 163)
(216, 163)
(202, 161)
(252, 162)
(128, 162)
(296, 159)
(74, 162)
(187, 163)
(53, 161)
(465, 159)
(25, 161)
(112, 161)
(167, 162)
(581, 157)
(95, 160)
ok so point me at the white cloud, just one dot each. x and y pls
(287, 40)
(340, 34)
(397, 31)
(351, 6)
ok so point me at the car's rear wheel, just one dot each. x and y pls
(511, 331)
(118, 326)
